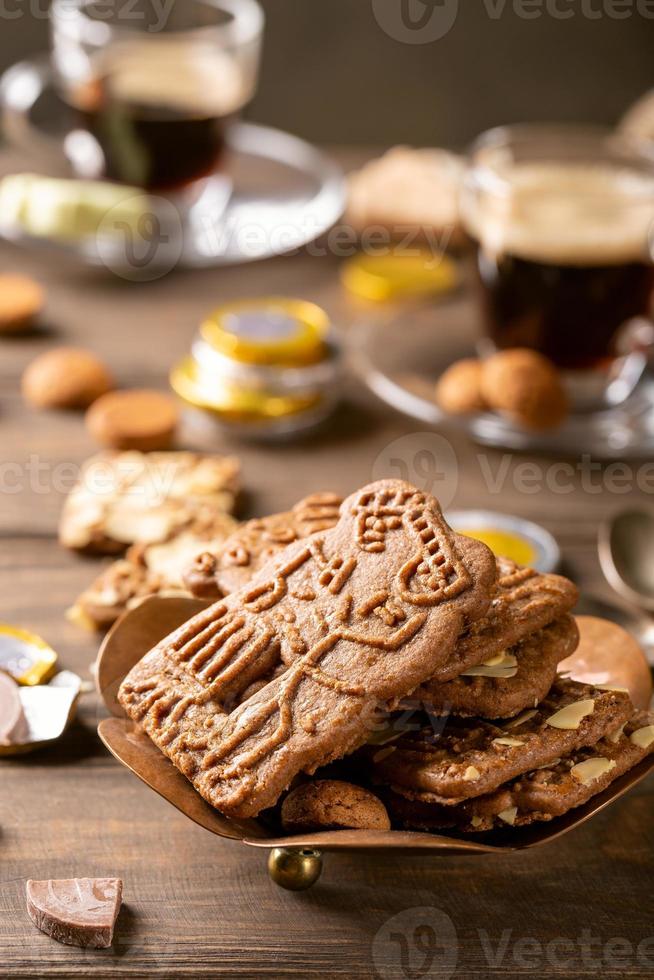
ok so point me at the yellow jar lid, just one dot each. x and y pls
(25, 656)
(234, 402)
(385, 277)
(274, 331)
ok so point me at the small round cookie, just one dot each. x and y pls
(458, 391)
(330, 804)
(66, 377)
(21, 301)
(141, 419)
(526, 386)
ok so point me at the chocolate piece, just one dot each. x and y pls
(543, 794)
(76, 911)
(525, 601)
(146, 570)
(368, 609)
(470, 758)
(122, 498)
(217, 572)
(330, 804)
(13, 724)
(510, 682)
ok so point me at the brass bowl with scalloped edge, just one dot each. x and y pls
(294, 861)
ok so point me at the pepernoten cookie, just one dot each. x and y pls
(470, 758)
(511, 681)
(331, 804)
(217, 572)
(122, 498)
(541, 794)
(524, 601)
(369, 610)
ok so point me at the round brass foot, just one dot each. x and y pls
(294, 870)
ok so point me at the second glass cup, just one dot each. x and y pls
(153, 100)
(561, 221)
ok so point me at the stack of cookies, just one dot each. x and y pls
(339, 624)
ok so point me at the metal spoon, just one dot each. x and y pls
(626, 553)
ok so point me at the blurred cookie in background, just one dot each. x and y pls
(408, 188)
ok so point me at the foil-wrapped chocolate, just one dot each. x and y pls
(31, 717)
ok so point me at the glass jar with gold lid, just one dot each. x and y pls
(267, 367)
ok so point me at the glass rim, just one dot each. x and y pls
(71, 18)
(483, 175)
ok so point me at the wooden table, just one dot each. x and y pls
(200, 906)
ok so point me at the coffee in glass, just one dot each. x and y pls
(560, 223)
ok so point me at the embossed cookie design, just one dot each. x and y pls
(363, 613)
(216, 573)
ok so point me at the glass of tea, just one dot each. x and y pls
(561, 223)
(154, 87)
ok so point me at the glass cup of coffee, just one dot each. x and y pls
(561, 223)
(153, 87)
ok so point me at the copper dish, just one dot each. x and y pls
(294, 862)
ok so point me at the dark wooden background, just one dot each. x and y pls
(331, 73)
(196, 905)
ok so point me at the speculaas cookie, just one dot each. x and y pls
(471, 758)
(217, 572)
(542, 794)
(332, 804)
(525, 601)
(155, 569)
(511, 681)
(123, 498)
(369, 609)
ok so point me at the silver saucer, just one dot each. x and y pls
(284, 194)
(401, 360)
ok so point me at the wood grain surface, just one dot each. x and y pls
(197, 906)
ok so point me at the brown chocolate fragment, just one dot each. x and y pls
(76, 911)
